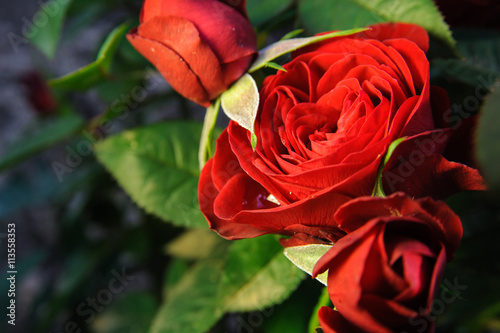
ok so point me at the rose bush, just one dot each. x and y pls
(323, 128)
(384, 274)
(200, 47)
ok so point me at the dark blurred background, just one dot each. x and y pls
(76, 230)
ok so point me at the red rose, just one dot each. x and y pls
(384, 275)
(322, 129)
(200, 46)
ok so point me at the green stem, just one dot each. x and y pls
(324, 300)
(207, 133)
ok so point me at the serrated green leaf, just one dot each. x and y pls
(305, 257)
(97, 71)
(193, 244)
(190, 306)
(283, 47)
(241, 102)
(488, 140)
(46, 134)
(319, 15)
(129, 314)
(260, 11)
(257, 275)
(46, 26)
(158, 167)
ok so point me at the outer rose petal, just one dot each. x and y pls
(224, 228)
(385, 31)
(433, 175)
(332, 322)
(200, 46)
(227, 31)
(193, 70)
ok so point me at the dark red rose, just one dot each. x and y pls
(323, 128)
(200, 46)
(384, 274)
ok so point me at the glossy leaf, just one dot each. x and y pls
(257, 275)
(241, 102)
(97, 71)
(283, 47)
(189, 307)
(319, 15)
(158, 167)
(306, 256)
(44, 31)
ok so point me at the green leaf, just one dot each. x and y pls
(207, 134)
(276, 66)
(260, 11)
(158, 167)
(319, 15)
(189, 307)
(97, 71)
(129, 314)
(241, 102)
(193, 244)
(46, 134)
(257, 275)
(306, 256)
(283, 47)
(292, 34)
(488, 140)
(46, 27)
(378, 189)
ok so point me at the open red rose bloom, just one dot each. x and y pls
(384, 274)
(323, 128)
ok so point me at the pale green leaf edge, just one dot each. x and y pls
(306, 256)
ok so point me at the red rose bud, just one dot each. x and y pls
(385, 274)
(201, 47)
(39, 94)
(323, 128)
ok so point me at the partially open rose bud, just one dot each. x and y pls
(200, 46)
